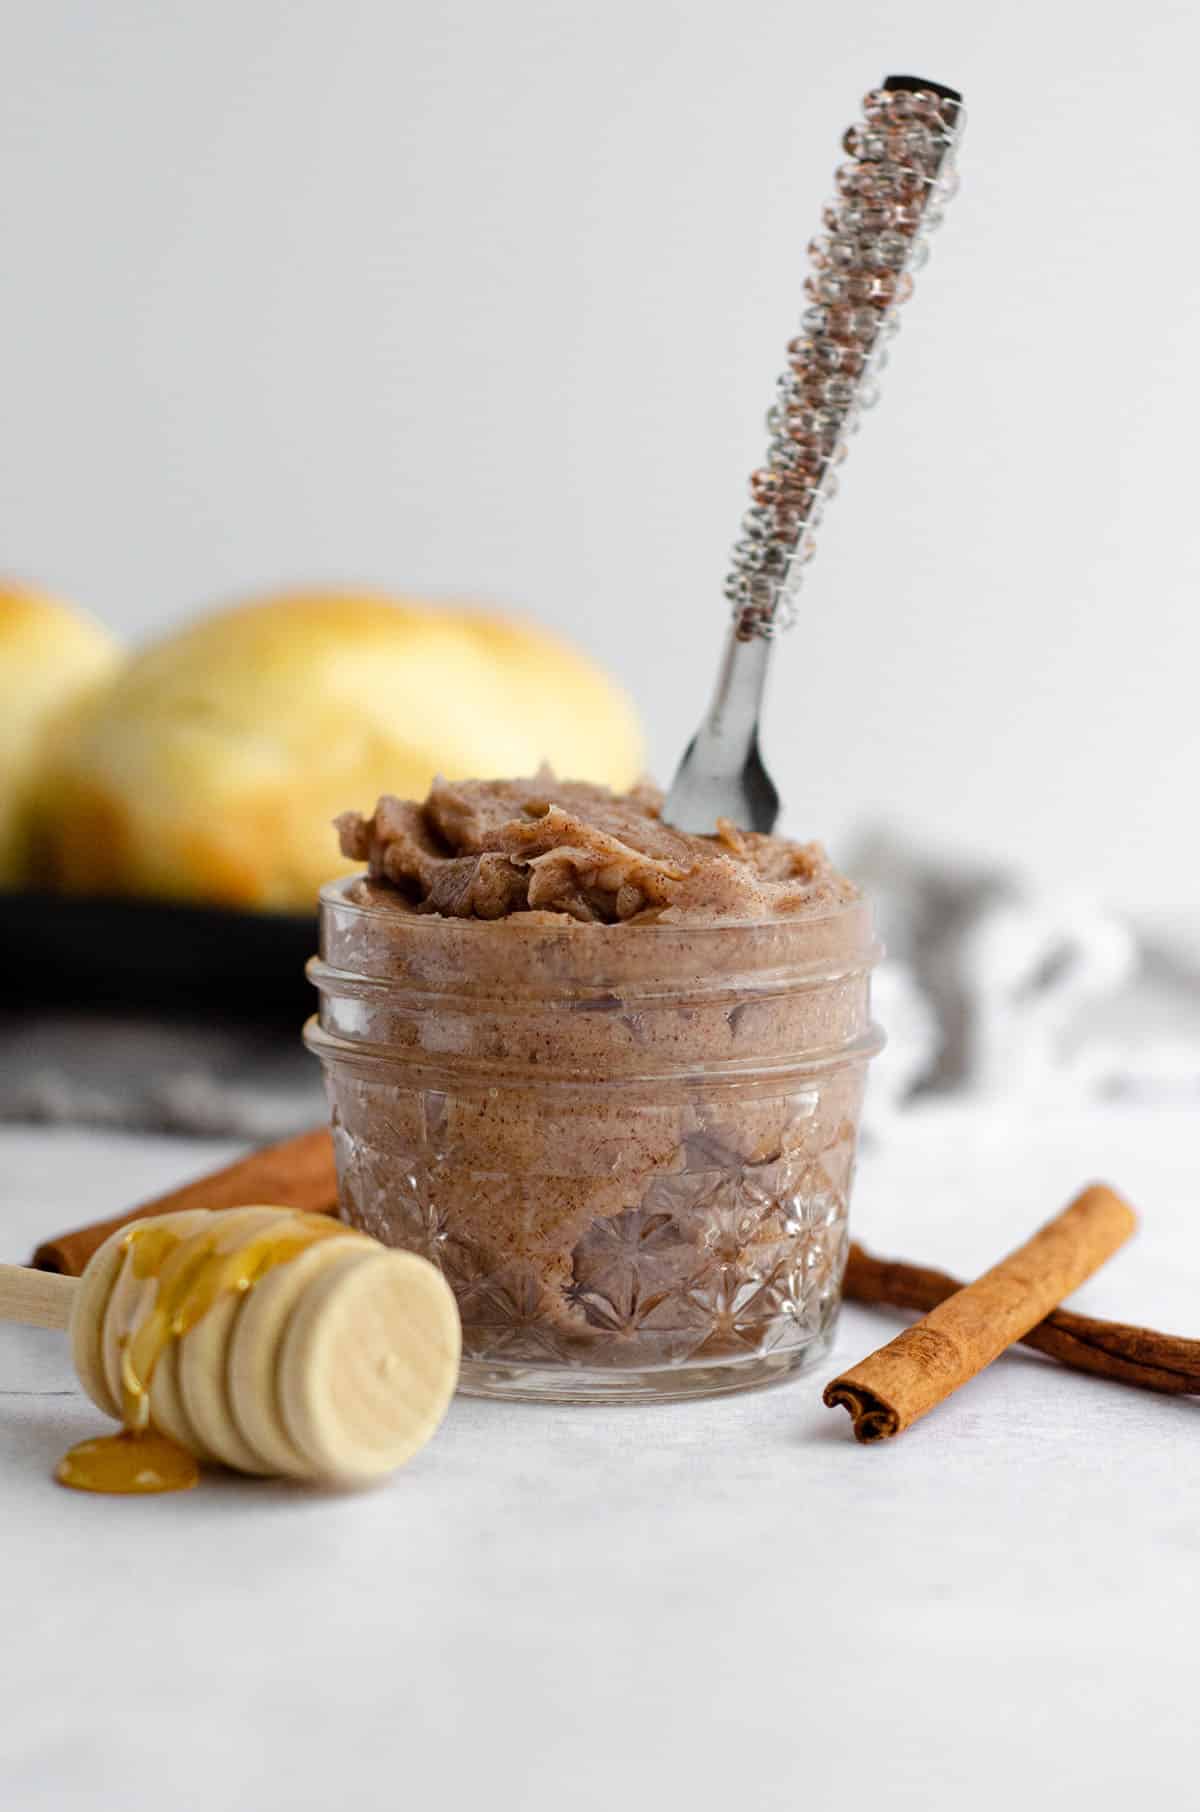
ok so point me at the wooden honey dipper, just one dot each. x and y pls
(258, 1338)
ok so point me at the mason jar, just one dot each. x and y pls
(629, 1148)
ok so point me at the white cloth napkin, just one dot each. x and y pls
(995, 989)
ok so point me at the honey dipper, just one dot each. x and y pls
(258, 1338)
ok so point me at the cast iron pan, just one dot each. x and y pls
(154, 956)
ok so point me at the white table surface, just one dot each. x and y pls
(717, 1605)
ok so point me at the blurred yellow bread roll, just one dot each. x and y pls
(52, 658)
(213, 766)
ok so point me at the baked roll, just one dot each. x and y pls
(52, 659)
(213, 766)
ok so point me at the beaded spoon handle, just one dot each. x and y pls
(889, 198)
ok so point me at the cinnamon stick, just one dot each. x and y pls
(1107, 1349)
(894, 1387)
(299, 1173)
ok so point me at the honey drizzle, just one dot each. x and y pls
(193, 1274)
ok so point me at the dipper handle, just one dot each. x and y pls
(38, 1298)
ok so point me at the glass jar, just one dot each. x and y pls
(628, 1148)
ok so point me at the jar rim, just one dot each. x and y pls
(334, 893)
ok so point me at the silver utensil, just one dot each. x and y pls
(889, 198)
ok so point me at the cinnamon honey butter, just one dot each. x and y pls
(605, 1074)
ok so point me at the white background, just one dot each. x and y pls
(489, 299)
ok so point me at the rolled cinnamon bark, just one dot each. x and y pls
(1107, 1349)
(299, 1173)
(904, 1380)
